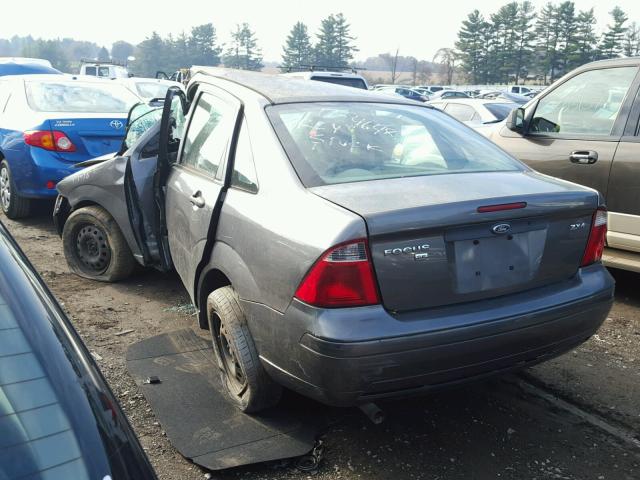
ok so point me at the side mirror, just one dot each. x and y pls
(516, 121)
(130, 75)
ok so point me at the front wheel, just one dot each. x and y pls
(242, 374)
(95, 247)
(13, 205)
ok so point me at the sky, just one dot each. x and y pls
(416, 28)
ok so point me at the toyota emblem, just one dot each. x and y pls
(117, 124)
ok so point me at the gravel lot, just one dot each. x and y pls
(576, 417)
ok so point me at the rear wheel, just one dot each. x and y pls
(246, 382)
(13, 205)
(95, 247)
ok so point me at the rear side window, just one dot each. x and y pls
(210, 130)
(90, 71)
(341, 142)
(463, 113)
(244, 174)
(74, 96)
(588, 103)
(104, 72)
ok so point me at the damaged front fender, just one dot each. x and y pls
(101, 184)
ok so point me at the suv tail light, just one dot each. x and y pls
(597, 238)
(342, 277)
(54, 141)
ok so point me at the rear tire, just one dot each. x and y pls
(13, 205)
(95, 247)
(242, 373)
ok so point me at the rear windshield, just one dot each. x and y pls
(79, 97)
(331, 143)
(151, 89)
(500, 110)
(346, 81)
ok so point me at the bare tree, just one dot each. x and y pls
(392, 63)
(447, 57)
(414, 71)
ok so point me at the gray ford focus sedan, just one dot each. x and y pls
(339, 243)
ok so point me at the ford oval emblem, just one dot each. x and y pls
(501, 228)
(117, 124)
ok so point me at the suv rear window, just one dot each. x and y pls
(346, 81)
(342, 142)
(79, 97)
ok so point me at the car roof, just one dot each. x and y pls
(278, 89)
(611, 62)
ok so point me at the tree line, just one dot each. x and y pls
(517, 43)
(156, 53)
(201, 46)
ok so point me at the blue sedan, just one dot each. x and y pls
(48, 123)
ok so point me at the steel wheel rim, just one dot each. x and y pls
(5, 188)
(236, 379)
(92, 248)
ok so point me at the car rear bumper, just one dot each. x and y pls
(350, 356)
(32, 176)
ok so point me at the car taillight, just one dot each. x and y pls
(54, 141)
(342, 277)
(597, 238)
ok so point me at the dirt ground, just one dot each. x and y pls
(576, 417)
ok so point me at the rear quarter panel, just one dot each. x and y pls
(277, 234)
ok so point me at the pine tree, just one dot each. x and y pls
(203, 46)
(151, 55)
(298, 50)
(612, 40)
(548, 31)
(585, 39)
(243, 53)
(567, 24)
(525, 37)
(471, 46)
(326, 44)
(103, 55)
(344, 48)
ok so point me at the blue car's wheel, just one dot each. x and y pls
(13, 205)
(95, 247)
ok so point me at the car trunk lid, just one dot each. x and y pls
(93, 135)
(432, 246)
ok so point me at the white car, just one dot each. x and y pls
(475, 111)
(347, 79)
